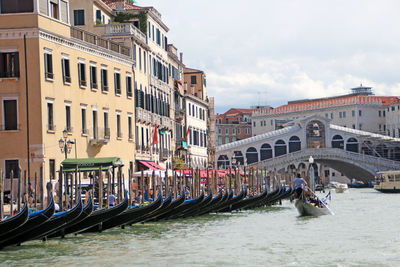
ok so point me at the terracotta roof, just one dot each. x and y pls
(127, 6)
(329, 102)
(189, 70)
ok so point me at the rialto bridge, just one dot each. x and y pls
(356, 154)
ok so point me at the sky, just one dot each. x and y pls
(268, 52)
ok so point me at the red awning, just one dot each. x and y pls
(148, 165)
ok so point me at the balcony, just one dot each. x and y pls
(124, 29)
(179, 113)
(99, 136)
(98, 41)
(164, 154)
(144, 116)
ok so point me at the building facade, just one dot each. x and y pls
(233, 125)
(56, 79)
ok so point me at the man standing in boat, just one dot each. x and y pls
(299, 185)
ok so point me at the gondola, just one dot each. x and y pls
(35, 219)
(230, 202)
(213, 203)
(87, 210)
(161, 215)
(164, 207)
(271, 198)
(247, 202)
(127, 216)
(15, 221)
(197, 209)
(188, 204)
(317, 207)
(97, 217)
(225, 199)
(59, 219)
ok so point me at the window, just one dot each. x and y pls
(360, 126)
(140, 58)
(12, 165)
(219, 131)
(331, 115)
(54, 9)
(326, 115)
(379, 113)
(233, 131)
(189, 110)
(261, 123)
(117, 83)
(10, 114)
(119, 134)
(48, 66)
(95, 125)
(104, 80)
(254, 124)
(219, 140)
(354, 126)
(130, 127)
(98, 16)
(82, 74)
(144, 61)
(359, 113)
(353, 113)
(52, 169)
(68, 118)
(226, 131)
(79, 17)
(238, 131)
(247, 130)
(66, 71)
(50, 118)
(93, 77)
(384, 113)
(20, 6)
(83, 115)
(9, 64)
(344, 114)
(226, 140)
(193, 79)
(106, 126)
(129, 86)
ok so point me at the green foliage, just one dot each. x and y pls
(123, 17)
(98, 21)
(179, 163)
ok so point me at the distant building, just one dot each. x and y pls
(233, 125)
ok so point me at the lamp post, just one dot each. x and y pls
(312, 182)
(65, 144)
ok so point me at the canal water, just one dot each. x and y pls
(363, 232)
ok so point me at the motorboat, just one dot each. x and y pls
(388, 182)
(342, 188)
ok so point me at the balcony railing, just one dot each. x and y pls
(97, 40)
(124, 29)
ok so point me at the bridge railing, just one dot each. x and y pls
(329, 153)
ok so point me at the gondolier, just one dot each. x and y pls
(299, 184)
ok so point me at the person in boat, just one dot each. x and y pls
(187, 192)
(299, 185)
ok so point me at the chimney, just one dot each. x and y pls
(181, 57)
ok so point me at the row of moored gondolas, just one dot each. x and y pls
(45, 224)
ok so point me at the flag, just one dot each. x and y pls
(155, 136)
(187, 133)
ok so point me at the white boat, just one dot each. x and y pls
(342, 188)
(317, 207)
(389, 182)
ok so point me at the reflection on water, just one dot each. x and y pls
(363, 232)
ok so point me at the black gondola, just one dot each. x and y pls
(96, 218)
(163, 208)
(213, 203)
(196, 210)
(225, 198)
(186, 206)
(35, 219)
(247, 202)
(127, 216)
(15, 221)
(87, 210)
(59, 219)
(176, 203)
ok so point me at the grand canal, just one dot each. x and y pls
(363, 232)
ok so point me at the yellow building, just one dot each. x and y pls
(56, 77)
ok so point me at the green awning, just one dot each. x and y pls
(90, 164)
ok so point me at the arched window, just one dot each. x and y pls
(280, 148)
(265, 152)
(338, 142)
(294, 144)
(352, 145)
(239, 158)
(251, 155)
(223, 162)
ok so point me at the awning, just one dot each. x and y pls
(151, 165)
(90, 164)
